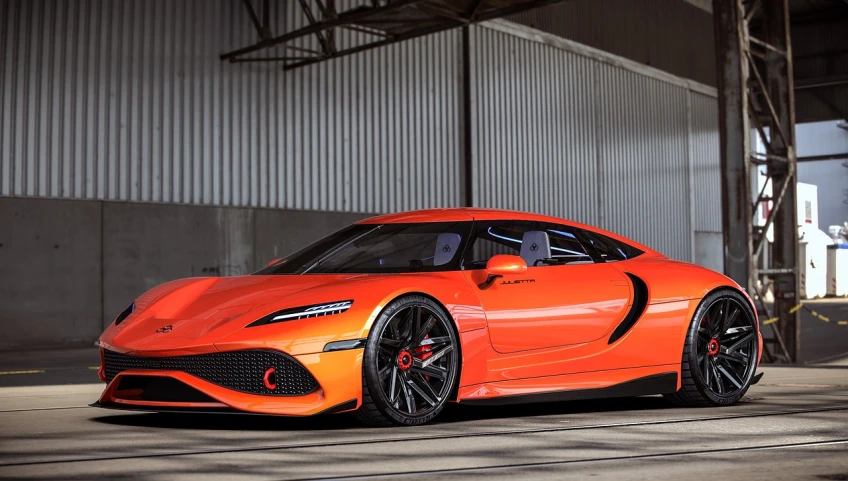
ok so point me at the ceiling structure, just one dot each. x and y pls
(819, 33)
(377, 23)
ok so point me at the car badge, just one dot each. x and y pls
(163, 330)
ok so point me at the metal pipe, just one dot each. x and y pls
(813, 158)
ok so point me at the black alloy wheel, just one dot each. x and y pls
(721, 351)
(411, 363)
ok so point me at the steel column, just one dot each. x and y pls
(779, 78)
(731, 39)
(755, 88)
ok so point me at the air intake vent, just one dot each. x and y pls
(640, 301)
(242, 371)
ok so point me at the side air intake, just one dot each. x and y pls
(640, 301)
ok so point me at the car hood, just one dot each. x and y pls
(192, 314)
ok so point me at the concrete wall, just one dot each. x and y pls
(50, 271)
(67, 267)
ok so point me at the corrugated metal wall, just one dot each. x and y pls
(577, 137)
(535, 127)
(644, 181)
(127, 100)
(706, 192)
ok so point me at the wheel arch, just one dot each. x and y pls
(739, 291)
(455, 392)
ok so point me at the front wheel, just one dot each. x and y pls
(411, 363)
(720, 353)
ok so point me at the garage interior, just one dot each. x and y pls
(143, 141)
(172, 139)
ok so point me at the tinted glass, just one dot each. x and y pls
(381, 248)
(504, 237)
(610, 250)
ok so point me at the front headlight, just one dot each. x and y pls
(125, 314)
(304, 312)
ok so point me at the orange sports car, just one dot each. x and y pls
(396, 315)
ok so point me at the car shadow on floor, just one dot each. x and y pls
(453, 413)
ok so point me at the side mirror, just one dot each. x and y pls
(503, 265)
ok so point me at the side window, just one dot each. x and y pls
(566, 248)
(494, 238)
(610, 250)
(538, 243)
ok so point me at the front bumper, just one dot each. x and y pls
(338, 375)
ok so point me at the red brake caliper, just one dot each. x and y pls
(423, 352)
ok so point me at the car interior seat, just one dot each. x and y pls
(446, 246)
(535, 245)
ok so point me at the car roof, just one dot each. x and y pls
(458, 214)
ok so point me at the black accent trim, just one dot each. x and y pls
(125, 313)
(345, 345)
(166, 409)
(161, 389)
(490, 279)
(757, 378)
(640, 302)
(345, 406)
(664, 383)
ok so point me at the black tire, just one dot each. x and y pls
(720, 352)
(392, 389)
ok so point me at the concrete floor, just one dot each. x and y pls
(793, 425)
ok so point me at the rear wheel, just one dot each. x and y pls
(720, 354)
(411, 363)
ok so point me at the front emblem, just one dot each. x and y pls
(163, 330)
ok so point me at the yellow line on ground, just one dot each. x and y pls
(32, 371)
(94, 368)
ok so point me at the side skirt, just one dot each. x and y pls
(664, 383)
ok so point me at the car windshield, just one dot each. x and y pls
(380, 248)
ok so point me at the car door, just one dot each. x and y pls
(564, 298)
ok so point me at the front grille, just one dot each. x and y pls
(237, 370)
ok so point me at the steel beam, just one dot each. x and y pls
(756, 88)
(465, 119)
(731, 36)
(319, 27)
(779, 77)
(389, 21)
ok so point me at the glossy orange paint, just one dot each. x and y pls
(516, 336)
(505, 265)
(525, 311)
